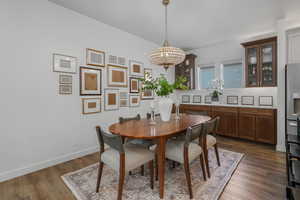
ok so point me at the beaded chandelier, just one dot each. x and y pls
(167, 55)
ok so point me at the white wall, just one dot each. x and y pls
(39, 127)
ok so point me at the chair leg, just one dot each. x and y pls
(173, 164)
(217, 154)
(206, 162)
(99, 176)
(156, 167)
(121, 176)
(203, 166)
(187, 173)
(142, 170)
(151, 173)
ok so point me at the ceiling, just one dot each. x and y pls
(192, 23)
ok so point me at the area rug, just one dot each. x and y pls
(82, 183)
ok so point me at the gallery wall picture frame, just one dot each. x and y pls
(148, 74)
(207, 99)
(247, 100)
(65, 79)
(232, 100)
(90, 81)
(134, 100)
(124, 102)
(136, 68)
(117, 76)
(147, 94)
(91, 105)
(124, 95)
(265, 101)
(64, 63)
(117, 60)
(95, 57)
(185, 99)
(65, 89)
(134, 85)
(111, 99)
(196, 98)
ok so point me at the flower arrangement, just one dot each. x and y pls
(217, 86)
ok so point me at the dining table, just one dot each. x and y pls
(160, 131)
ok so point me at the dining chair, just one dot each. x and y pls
(186, 151)
(141, 142)
(121, 157)
(209, 132)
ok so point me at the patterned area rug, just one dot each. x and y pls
(136, 187)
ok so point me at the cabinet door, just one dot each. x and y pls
(228, 123)
(252, 65)
(268, 64)
(247, 126)
(265, 129)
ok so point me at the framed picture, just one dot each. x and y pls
(185, 99)
(95, 57)
(91, 105)
(90, 81)
(207, 99)
(134, 85)
(248, 100)
(64, 63)
(124, 102)
(117, 76)
(147, 95)
(134, 100)
(136, 68)
(265, 100)
(65, 89)
(148, 74)
(196, 98)
(233, 100)
(124, 95)
(111, 99)
(116, 60)
(65, 79)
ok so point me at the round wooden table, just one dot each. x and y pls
(161, 131)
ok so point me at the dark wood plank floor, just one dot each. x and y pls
(259, 176)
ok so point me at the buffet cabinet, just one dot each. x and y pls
(255, 124)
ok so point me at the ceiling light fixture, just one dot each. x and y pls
(167, 55)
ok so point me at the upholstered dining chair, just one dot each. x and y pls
(121, 158)
(209, 132)
(141, 142)
(186, 151)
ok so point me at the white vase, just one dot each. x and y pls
(165, 108)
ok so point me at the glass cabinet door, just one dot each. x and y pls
(252, 66)
(267, 75)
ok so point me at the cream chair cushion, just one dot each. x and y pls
(174, 151)
(210, 141)
(134, 157)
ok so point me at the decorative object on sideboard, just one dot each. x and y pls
(124, 99)
(111, 99)
(265, 101)
(64, 63)
(247, 100)
(233, 100)
(207, 99)
(65, 89)
(117, 76)
(134, 85)
(217, 87)
(90, 81)
(134, 100)
(95, 57)
(196, 98)
(167, 55)
(163, 89)
(185, 99)
(136, 68)
(116, 60)
(91, 105)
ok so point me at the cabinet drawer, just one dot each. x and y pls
(267, 112)
(225, 109)
(248, 110)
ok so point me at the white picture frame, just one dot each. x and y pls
(136, 68)
(111, 99)
(197, 98)
(117, 76)
(91, 105)
(134, 100)
(95, 57)
(90, 81)
(185, 99)
(116, 60)
(64, 63)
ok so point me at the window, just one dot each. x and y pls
(206, 75)
(233, 75)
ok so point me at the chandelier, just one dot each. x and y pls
(167, 55)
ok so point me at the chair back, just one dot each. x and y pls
(114, 141)
(193, 133)
(211, 126)
(124, 119)
(195, 112)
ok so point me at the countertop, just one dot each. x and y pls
(231, 105)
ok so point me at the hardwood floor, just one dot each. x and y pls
(260, 176)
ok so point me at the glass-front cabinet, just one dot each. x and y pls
(261, 63)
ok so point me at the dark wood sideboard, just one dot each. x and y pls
(255, 124)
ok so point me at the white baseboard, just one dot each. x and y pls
(44, 164)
